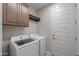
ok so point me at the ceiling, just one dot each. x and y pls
(37, 5)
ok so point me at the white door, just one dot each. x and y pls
(63, 29)
(78, 28)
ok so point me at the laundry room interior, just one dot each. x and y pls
(40, 29)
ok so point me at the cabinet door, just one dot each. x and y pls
(23, 15)
(4, 13)
(10, 13)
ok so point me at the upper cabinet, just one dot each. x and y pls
(24, 16)
(15, 14)
(4, 17)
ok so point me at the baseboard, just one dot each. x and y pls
(4, 54)
(77, 55)
(48, 53)
(0, 54)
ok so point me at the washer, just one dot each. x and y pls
(24, 46)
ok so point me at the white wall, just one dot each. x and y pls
(0, 29)
(44, 26)
(9, 31)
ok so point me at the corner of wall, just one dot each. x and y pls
(0, 28)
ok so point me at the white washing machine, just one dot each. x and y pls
(24, 46)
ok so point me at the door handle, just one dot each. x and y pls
(53, 38)
(53, 34)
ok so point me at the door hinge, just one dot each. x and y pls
(75, 5)
(75, 21)
(76, 38)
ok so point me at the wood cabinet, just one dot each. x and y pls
(15, 14)
(24, 16)
(4, 17)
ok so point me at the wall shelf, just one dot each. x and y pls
(34, 18)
